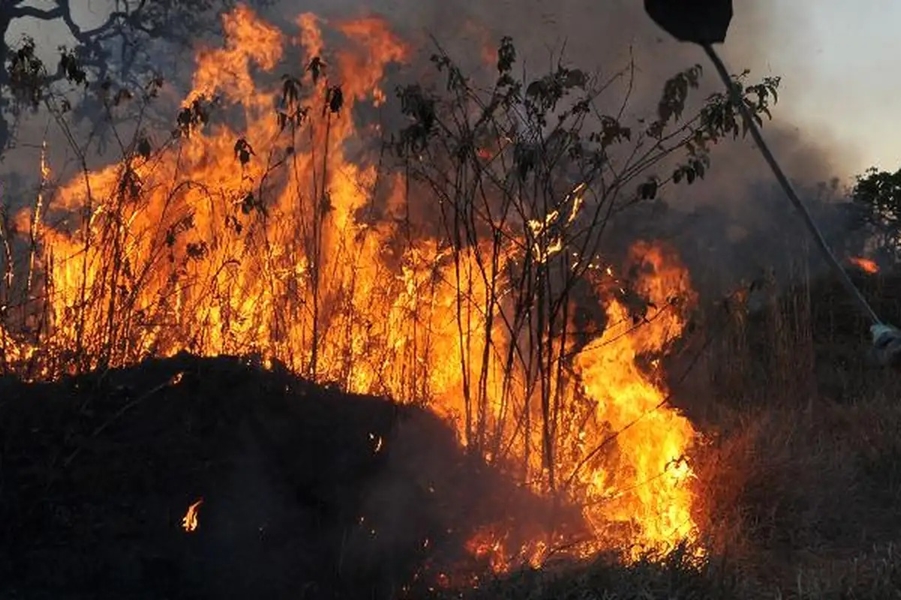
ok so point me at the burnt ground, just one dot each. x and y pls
(307, 492)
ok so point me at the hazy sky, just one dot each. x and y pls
(840, 64)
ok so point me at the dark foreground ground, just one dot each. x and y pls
(311, 493)
(307, 492)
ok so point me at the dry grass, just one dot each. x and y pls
(800, 472)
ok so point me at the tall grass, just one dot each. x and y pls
(800, 470)
(508, 193)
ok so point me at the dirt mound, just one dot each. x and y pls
(307, 492)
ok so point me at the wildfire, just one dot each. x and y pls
(652, 437)
(279, 237)
(865, 264)
(190, 522)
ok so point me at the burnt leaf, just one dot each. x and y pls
(291, 87)
(196, 250)
(648, 190)
(316, 67)
(506, 55)
(121, 96)
(192, 116)
(675, 94)
(334, 99)
(130, 184)
(243, 151)
(143, 147)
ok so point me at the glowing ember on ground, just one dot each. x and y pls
(865, 264)
(190, 523)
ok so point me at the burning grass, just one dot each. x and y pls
(265, 226)
(455, 267)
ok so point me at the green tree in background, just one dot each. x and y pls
(877, 199)
(114, 44)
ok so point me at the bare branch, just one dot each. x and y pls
(37, 13)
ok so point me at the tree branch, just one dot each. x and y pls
(36, 13)
(86, 36)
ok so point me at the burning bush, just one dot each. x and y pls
(447, 268)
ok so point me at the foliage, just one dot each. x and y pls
(119, 48)
(877, 195)
(540, 160)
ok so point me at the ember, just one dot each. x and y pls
(190, 522)
(865, 264)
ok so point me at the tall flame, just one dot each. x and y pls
(653, 438)
(190, 522)
(277, 236)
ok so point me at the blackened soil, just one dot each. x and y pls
(307, 492)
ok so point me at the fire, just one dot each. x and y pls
(190, 523)
(652, 437)
(865, 264)
(272, 232)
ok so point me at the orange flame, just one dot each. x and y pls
(190, 522)
(257, 240)
(654, 498)
(865, 264)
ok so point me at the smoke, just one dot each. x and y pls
(736, 206)
(602, 38)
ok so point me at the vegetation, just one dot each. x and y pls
(539, 163)
(118, 48)
(877, 197)
(507, 200)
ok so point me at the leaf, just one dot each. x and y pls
(535, 89)
(121, 96)
(247, 203)
(506, 55)
(316, 67)
(648, 190)
(675, 94)
(144, 149)
(334, 99)
(243, 151)
(575, 78)
(291, 87)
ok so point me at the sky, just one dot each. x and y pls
(840, 61)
